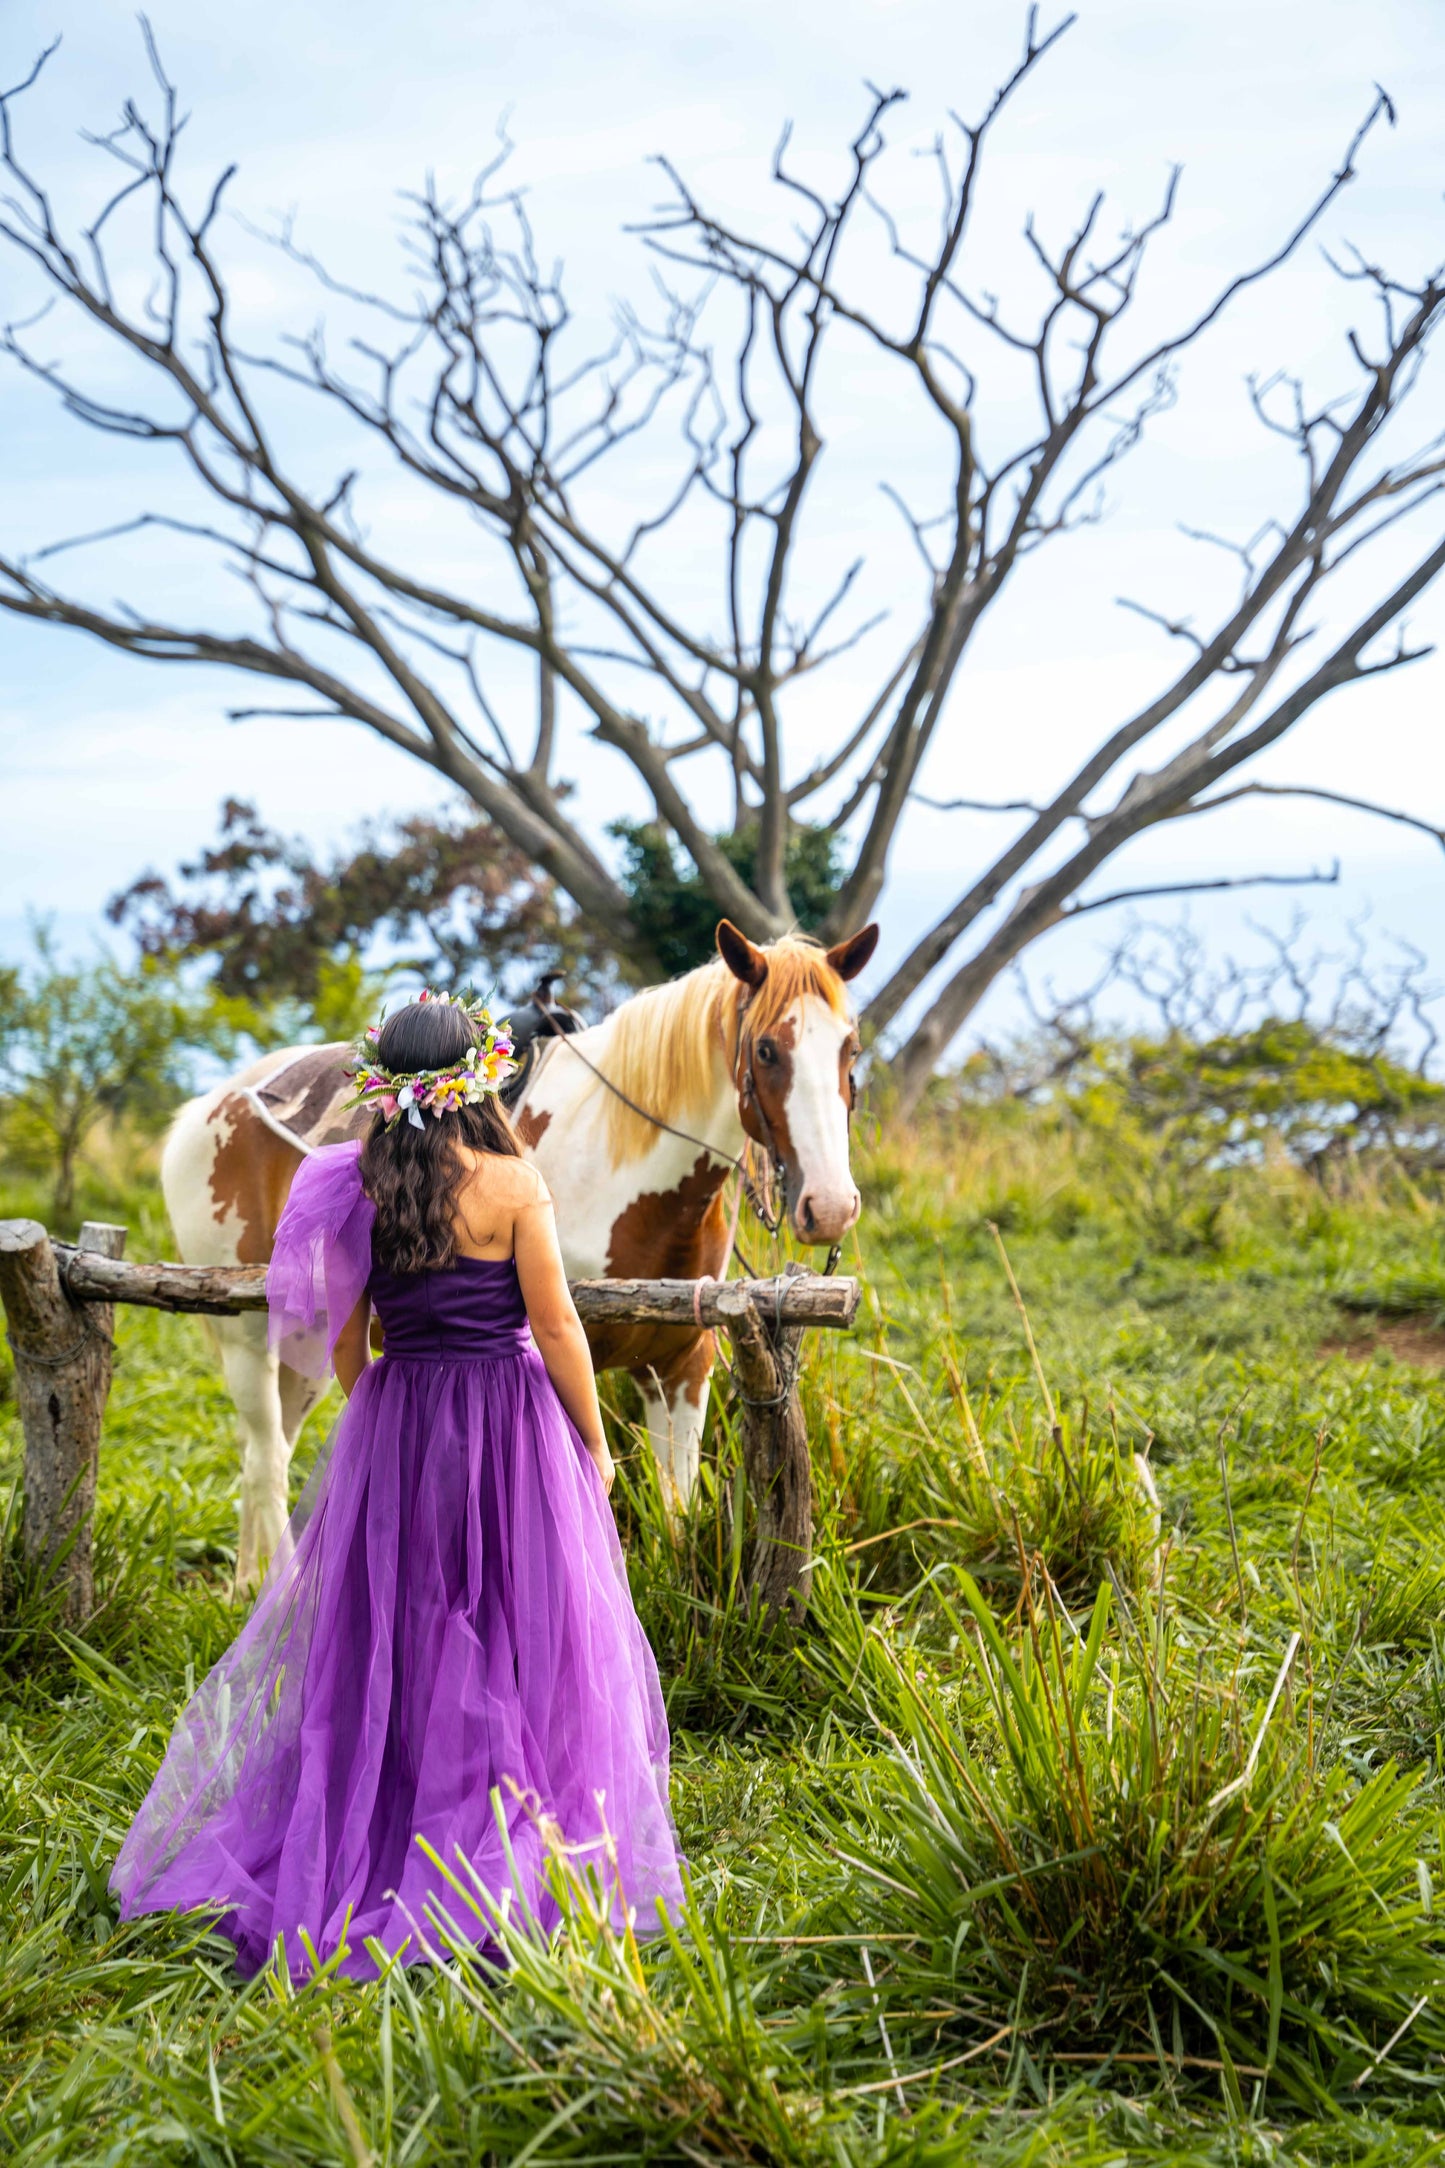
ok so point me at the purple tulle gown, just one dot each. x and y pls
(445, 1651)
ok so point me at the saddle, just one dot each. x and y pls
(303, 1100)
(539, 1017)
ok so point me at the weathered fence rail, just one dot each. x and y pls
(59, 1297)
(226, 1290)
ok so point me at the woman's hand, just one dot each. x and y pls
(603, 1462)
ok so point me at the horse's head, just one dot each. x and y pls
(794, 1049)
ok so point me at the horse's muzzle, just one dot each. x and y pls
(825, 1215)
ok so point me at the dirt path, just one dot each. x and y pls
(1407, 1339)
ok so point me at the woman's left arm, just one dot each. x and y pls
(352, 1351)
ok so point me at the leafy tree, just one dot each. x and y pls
(1218, 1100)
(1322, 1056)
(675, 908)
(284, 932)
(80, 1042)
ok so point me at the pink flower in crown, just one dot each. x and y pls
(387, 1104)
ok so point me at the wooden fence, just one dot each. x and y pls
(58, 1299)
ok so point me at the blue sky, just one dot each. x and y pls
(108, 765)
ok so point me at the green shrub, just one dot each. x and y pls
(1132, 1851)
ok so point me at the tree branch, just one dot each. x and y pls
(1313, 879)
(1040, 907)
(1329, 797)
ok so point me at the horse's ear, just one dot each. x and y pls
(849, 957)
(743, 960)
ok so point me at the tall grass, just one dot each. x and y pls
(1122, 1848)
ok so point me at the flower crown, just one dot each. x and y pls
(483, 1069)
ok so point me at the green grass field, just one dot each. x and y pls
(1049, 1839)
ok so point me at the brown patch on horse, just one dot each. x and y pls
(848, 1053)
(531, 1126)
(251, 1177)
(673, 1234)
(664, 1233)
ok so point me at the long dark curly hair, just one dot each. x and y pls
(413, 1175)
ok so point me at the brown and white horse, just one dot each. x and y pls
(759, 1044)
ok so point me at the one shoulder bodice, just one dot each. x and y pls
(472, 1312)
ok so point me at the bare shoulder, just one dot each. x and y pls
(513, 1183)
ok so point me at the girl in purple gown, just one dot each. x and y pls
(444, 1664)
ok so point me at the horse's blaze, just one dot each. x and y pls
(768, 1119)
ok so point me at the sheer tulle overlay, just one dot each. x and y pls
(454, 1622)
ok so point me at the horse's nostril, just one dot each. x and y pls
(805, 1214)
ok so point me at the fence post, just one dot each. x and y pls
(62, 1356)
(776, 1459)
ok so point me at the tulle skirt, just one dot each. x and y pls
(448, 1663)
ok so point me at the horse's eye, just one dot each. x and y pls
(767, 1053)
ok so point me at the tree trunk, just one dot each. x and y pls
(62, 1376)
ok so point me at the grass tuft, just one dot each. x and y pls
(1131, 1852)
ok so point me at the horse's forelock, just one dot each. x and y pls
(797, 969)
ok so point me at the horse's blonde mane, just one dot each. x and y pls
(663, 1048)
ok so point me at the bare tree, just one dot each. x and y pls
(483, 391)
(1324, 1051)
(1376, 1004)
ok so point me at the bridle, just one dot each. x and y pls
(745, 1084)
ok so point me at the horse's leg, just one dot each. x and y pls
(674, 1400)
(253, 1378)
(299, 1396)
